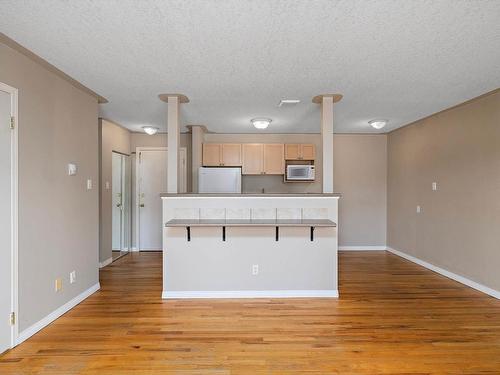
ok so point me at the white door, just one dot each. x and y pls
(152, 182)
(5, 222)
(116, 200)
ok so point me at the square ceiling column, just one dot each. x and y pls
(326, 101)
(173, 133)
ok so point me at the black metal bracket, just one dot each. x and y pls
(312, 233)
(223, 233)
(277, 233)
(188, 229)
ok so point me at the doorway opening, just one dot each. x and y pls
(121, 204)
(8, 218)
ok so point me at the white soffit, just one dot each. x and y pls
(235, 60)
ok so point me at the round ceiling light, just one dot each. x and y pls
(261, 122)
(378, 124)
(151, 130)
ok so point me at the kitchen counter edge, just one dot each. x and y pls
(249, 195)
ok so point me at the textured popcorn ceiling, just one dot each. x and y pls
(235, 59)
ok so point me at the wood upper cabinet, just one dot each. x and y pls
(303, 151)
(212, 154)
(221, 155)
(253, 158)
(261, 158)
(231, 154)
(274, 159)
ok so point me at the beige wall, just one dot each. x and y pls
(360, 175)
(112, 138)
(58, 216)
(458, 228)
(360, 170)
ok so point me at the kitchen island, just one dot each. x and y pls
(250, 245)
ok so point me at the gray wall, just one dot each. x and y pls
(58, 216)
(458, 228)
(111, 138)
(360, 175)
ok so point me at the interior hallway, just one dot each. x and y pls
(392, 317)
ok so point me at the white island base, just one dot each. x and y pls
(250, 246)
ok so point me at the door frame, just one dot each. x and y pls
(14, 210)
(138, 150)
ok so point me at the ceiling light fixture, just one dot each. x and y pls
(378, 124)
(150, 130)
(288, 101)
(261, 122)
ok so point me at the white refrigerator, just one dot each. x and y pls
(219, 180)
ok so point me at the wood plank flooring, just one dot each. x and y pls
(393, 317)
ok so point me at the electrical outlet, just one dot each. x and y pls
(72, 277)
(58, 284)
(72, 169)
(89, 184)
(255, 269)
(434, 186)
(419, 209)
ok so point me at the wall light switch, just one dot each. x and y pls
(72, 169)
(419, 209)
(255, 269)
(89, 184)
(72, 277)
(58, 284)
(434, 186)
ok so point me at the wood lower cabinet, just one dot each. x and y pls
(253, 158)
(300, 151)
(274, 159)
(221, 155)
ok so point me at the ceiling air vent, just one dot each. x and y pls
(288, 102)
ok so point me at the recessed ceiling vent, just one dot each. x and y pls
(288, 102)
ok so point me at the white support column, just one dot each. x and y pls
(173, 130)
(326, 101)
(197, 138)
(173, 133)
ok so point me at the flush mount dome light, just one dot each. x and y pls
(151, 130)
(378, 124)
(261, 122)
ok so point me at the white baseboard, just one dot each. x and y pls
(134, 249)
(450, 275)
(30, 331)
(105, 263)
(251, 294)
(362, 248)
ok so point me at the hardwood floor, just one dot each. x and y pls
(393, 317)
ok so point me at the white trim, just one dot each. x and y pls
(183, 156)
(134, 249)
(30, 331)
(14, 189)
(106, 262)
(451, 275)
(250, 294)
(362, 248)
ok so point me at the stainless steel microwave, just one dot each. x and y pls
(300, 172)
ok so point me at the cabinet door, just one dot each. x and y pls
(252, 158)
(292, 151)
(308, 152)
(274, 159)
(231, 155)
(212, 154)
